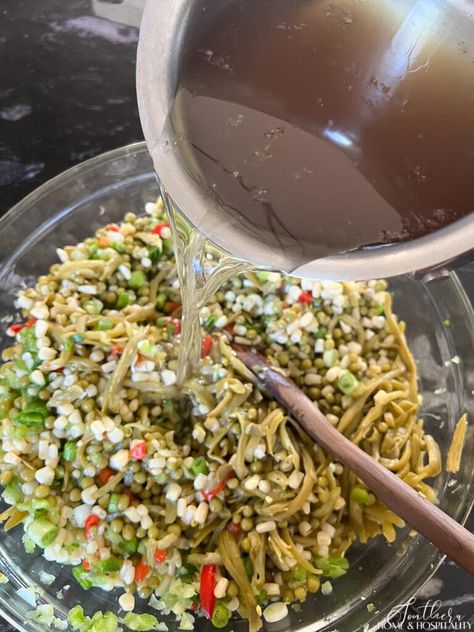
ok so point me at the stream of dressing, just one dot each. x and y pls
(202, 270)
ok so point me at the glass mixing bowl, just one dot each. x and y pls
(99, 191)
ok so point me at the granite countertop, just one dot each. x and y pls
(68, 93)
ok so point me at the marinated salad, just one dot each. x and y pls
(205, 499)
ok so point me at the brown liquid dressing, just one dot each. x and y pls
(324, 127)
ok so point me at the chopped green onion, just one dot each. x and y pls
(380, 309)
(113, 503)
(248, 566)
(210, 322)
(119, 247)
(168, 244)
(348, 383)
(34, 414)
(221, 615)
(29, 419)
(69, 450)
(94, 306)
(112, 565)
(170, 331)
(68, 345)
(161, 301)
(155, 254)
(137, 280)
(127, 547)
(330, 357)
(104, 324)
(362, 496)
(261, 596)
(140, 622)
(93, 248)
(125, 298)
(320, 333)
(199, 466)
(332, 566)
(299, 573)
(446, 322)
(145, 348)
(80, 575)
(42, 532)
(262, 275)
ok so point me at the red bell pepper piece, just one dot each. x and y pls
(17, 327)
(91, 521)
(116, 350)
(305, 297)
(177, 323)
(207, 585)
(128, 493)
(160, 555)
(86, 565)
(141, 571)
(138, 450)
(171, 307)
(206, 346)
(104, 475)
(234, 528)
(158, 229)
(113, 228)
(208, 496)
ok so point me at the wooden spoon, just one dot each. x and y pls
(428, 519)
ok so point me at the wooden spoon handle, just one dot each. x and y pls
(435, 525)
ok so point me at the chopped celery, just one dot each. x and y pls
(44, 614)
(35, 504)
(11, 379)
(221, 615)
(29, 419)
(111, 565)
(104, 324)
(80, 575)
(155, 254)
(332, 566)
(107, 622)
(210, 322)
(161, 301)
(76, 617)
(125, 298)
(119, 247)
(140, 622)
(12, 493)
(362, 496)
(137, 279)
(68, 345)
(28, 543)
(42, 532)
(69, 450)
(37, 406)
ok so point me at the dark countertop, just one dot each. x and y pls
(67, 93)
